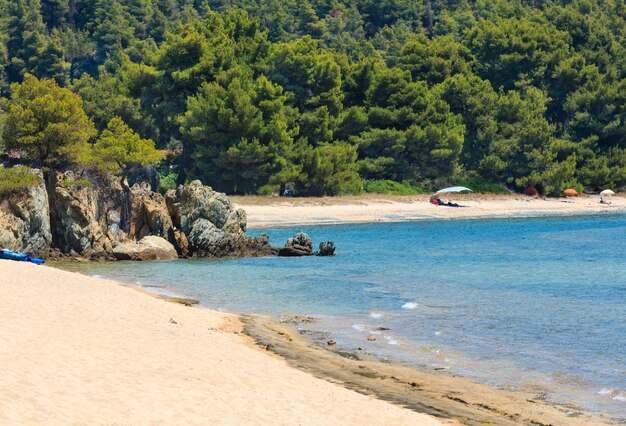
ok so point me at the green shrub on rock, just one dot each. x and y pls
(16, 179)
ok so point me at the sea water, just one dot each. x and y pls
(536, 304)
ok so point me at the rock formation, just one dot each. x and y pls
(212, 226)
(78, 214)
(298, 245)
(25, 220)
(302, 245)
(149, 213)
(84, 217)
(150, 247)
(327, 249)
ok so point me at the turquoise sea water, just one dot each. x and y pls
(536, 303)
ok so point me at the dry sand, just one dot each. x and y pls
(75, 349)
(266, 212)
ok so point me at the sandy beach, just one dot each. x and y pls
(81, 350)
(84, 350)
(266, 212)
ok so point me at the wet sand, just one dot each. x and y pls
(437, 393)
(264, 212)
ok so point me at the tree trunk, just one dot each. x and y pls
(125, 213)
(183, 162)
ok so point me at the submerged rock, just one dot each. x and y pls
(148, 248)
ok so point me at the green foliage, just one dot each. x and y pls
(330, 169)
(248, 95)
(46, 122)
(391, 187)
(167, 182)
(16, 179)
(119, 150)
(81, 183)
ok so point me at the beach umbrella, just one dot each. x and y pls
(453, 189)
(570, 191)
(607, 192)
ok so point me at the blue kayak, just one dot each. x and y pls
(20, 257)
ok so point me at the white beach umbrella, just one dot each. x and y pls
(607, 192)
(453, 189)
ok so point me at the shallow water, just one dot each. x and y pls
(522, 303)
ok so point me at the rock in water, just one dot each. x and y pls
(25, 219)
(212, 226)
(148, 248)
(298, 245)
(300, 239)
(327, 249)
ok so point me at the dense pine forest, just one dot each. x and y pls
(334, 96)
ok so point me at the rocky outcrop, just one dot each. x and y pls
(212, 226)
(84, 216)
(78, 214)
(327, 249)
(302, 245)
(298, 245)
(149, 213)
(148, 248)
(25, 220)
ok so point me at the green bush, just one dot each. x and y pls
(167, 182)
(385, 186)
(16, 179)
(72, 182)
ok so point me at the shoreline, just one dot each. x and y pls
(447, 397)
(78, 349)
(272, 212)
(440, 394)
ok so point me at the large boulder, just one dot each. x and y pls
(298, 245)
(25, 219)
(207, 240)
(148, 248)
(196, 201)
(212, 226)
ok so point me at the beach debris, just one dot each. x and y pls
(383, 328)
(331, 342)
(173, 321)
(326, 249)
(371, 338)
